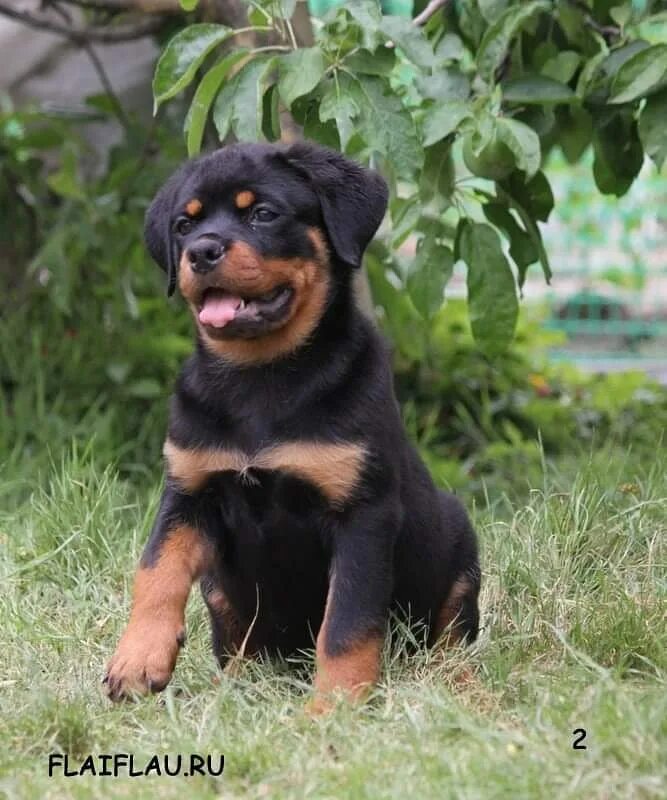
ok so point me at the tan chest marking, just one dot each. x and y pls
(335, 469)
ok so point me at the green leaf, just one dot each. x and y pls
(441, 120)
(400, 316)
(575, 130)
(300, 72)
(532, 201)
(618, 153)
(195, 122)
(562, 66)
(405, 215)
(238, 106)
(182, 56)
(338, 105)
(492, 9)
(536, 194)
(189, 5)
(381, 62)
(470, 21)
(599, 71)
(386, 126)
(324, 133)
(271, 114)
(653, 127)
(449, 48)
(145, 388)
(536, 90)
(492, 300)
(409, 38)
(523, 249)
(438, 174)
(523, 142)
(431, 269)
(498, 37)
(65, 182)
(368, 16)
(641, 74)
(446, 84)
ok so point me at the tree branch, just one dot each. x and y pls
(429, 11)
(117, 6)
(116, 33)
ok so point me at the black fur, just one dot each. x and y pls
(398, 542)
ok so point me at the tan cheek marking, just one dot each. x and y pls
(317, 240)
(335, 469)
(193, 207)
(244, 199)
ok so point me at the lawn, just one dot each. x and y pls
(574, 637)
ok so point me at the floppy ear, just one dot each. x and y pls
(353, 199)
(158, 234)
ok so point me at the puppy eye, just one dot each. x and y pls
(183, 226)
(262, 214)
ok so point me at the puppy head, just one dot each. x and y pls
(258, 237)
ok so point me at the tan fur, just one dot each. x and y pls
(222, 608)
(244, 199)
(146, 654)
(193, 207)
(335, 469)
(450, 611)
(352, 673)
(244, 272)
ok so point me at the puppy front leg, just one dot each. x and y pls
(349, 643)
(174, 558)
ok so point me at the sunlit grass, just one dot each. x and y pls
(574, 636)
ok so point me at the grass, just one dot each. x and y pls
(574, 636)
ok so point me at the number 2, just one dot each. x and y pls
(580, 735)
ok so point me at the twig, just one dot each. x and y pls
(606, 31)
(429, 11)
(145, 6)
(106, 83)
(117, 33)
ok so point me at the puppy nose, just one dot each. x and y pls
(205, 254)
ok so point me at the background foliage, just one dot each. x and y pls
(459, 113)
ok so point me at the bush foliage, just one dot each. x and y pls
(459, 114)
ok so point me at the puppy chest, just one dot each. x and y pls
(334, 470)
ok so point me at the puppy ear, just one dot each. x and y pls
(158, 235)
(353, 199)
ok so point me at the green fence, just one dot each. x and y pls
(609, 258)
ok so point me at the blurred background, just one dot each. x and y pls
(90, 345)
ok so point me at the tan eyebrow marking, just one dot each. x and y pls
(244, 199)
(193, 207)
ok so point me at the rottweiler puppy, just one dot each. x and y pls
(292, 492)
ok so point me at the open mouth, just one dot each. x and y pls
(227, 315)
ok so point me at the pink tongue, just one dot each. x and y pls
(219, 309)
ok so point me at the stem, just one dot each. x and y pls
(106, 83)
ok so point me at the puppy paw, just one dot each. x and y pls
(144, 660)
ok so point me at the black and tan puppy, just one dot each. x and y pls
(292, 494)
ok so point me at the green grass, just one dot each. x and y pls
(574, 636)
